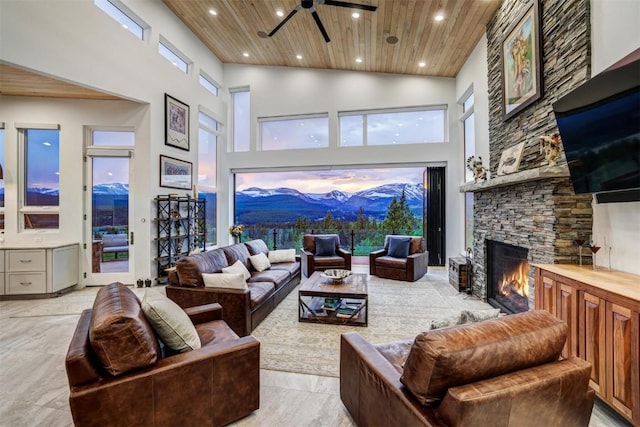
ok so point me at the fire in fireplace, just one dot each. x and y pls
(507, 277)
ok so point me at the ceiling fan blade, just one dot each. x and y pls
(316, 18)
(284, 21)
(347, 4)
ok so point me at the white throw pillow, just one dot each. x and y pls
(238, 267)
(282, 255)
(260, 262)
(224, 280)
(170, 322)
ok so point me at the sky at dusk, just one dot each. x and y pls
(324, 181)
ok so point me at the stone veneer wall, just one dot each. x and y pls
(543, 216)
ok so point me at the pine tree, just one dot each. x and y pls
(399, 217)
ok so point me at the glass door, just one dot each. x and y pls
(108, 206)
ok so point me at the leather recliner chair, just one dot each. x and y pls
(312, 260)
(141, 385)
(409, 269)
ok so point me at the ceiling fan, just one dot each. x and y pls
(309, 4)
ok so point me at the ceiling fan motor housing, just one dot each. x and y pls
(307, 4)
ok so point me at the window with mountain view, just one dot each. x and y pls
(294, 132)
(207, 166)
(41, 183)
(368, 202)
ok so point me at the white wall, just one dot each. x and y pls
(76, 42)
(277, 91)
(614, 34)
(473, 74)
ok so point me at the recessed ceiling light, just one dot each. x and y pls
(439, 17)
(299, 56)
(245, 54)
(213, 12)
(355, 15)
(358, 60)
(392, 40)
(422, 64)
(279, 13)
(262, 34)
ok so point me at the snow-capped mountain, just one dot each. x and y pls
(258, 205)
(113, 188)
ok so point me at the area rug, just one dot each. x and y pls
(397, 310)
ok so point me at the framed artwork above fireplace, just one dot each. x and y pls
(521, 66)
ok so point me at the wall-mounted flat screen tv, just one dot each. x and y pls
(599, 125)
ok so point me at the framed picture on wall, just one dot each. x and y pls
(521, 66)
(176, 119)
(175, 173)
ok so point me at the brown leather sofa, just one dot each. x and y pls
(243, 309)
(119, 374)
(501, 372)
(311, 262)
(408, 269)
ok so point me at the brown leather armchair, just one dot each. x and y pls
(500, 372)
(410, 269)
(120, 376)
(314, 259)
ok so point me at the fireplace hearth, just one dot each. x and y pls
(507, 277)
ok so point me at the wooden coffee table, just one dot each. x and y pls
(322, 301)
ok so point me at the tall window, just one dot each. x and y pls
(417, 125)
(40, 186)
(124, 16)
(173, 55)
(294, 132)
(241, 119)
(3, 165)
(468, 124)
(207, 167)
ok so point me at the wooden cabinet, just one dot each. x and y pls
(43, 270)
(602, 310)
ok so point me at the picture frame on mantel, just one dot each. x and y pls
(176, 119)
(175, 173)
(510, 159)
(521, 67)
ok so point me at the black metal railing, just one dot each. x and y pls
(360, 242)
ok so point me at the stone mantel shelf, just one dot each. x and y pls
(537, 174)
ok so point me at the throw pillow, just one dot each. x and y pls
(260, 262)
(225, 280)
(238, 267)
(282, 255)
(170, 322)
(325, 246)
(399, 247)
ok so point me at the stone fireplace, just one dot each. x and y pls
(534, 208)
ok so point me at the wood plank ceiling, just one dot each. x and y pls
(443, 46)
